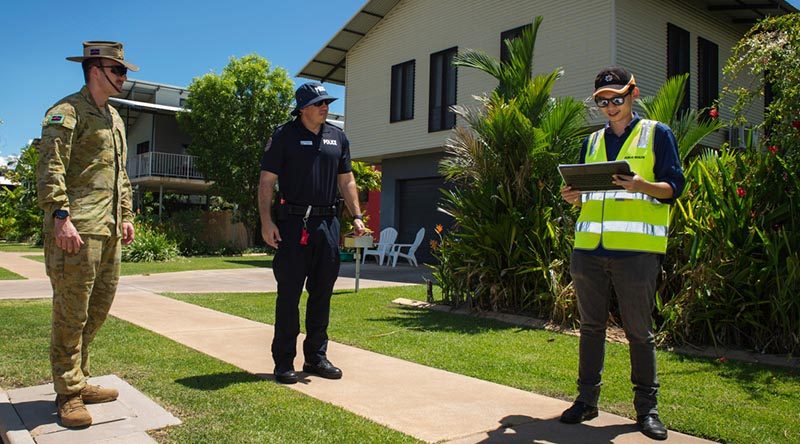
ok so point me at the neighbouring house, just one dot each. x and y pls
(7, 163)
(394, 57)
(157, 157)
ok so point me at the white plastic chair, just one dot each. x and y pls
(397, 250)
(383, 247)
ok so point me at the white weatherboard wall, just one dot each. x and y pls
(642, 42)
(579, 36)
(575, 35)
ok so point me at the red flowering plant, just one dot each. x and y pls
(769, 54)
(735, 242)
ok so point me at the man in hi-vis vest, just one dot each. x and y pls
(620, 242)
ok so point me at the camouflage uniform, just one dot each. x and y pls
(81, 169)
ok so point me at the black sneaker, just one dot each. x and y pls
(652, 427)
(323, 368)
(578, 412)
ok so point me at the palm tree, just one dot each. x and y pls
(506, 246)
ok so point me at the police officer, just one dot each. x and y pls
(86, 197)
(308, 158)
(620, 242)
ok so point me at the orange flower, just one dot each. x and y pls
(434, 244)
(439, 228)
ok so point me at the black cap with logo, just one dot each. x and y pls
(614, 79)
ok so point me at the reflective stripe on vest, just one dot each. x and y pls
(622, 220)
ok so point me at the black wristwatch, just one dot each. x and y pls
(358, 216)
(61, 214)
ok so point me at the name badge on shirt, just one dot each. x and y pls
(306, 142)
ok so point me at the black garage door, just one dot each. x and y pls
(417, 203)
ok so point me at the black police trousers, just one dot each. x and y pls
(315, 265)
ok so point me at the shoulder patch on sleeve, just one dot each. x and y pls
(60, 117)
(269, 144)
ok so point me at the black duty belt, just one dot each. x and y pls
(300, 210)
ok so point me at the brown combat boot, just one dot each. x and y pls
(94, 394)
(72, 411)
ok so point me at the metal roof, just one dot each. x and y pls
(747, 12)
(328, 65)
(146, 106)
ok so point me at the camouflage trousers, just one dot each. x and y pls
(84, 285)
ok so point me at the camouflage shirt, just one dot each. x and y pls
(81, 166)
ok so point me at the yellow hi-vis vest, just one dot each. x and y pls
(622, 220)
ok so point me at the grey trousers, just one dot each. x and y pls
(633, 280)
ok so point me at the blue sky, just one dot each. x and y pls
(171, 41)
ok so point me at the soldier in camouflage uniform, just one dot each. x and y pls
(86, 197)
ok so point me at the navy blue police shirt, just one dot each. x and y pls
(667, 167)
(307, 164)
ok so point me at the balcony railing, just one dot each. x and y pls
(165, 165)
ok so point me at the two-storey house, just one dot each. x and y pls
(394, 57)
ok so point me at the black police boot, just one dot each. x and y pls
(323, 368)
(652, 427)
(286, 375)
(578, 412)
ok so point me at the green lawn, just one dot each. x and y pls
(188, 264)
(727, 401)
(218, 403)
(15, 247)
(6, 275)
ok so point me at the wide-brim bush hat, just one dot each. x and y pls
(104, 50)
(308, 94)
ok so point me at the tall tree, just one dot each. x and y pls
(20, 204)
(230, 118)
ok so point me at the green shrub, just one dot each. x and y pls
(150, 245)
(734, 259)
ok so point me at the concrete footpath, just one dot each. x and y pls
(430, 404)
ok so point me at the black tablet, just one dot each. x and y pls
(594, 176)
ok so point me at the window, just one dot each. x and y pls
(143, 147)
(511, 34)
(442, 91)
(402, 100)
(678, 57)
(708, 73)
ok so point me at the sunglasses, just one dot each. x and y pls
(116, 69)
(322, 102)
(617, 101)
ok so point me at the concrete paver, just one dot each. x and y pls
(122, 421)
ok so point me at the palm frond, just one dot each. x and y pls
(664, 106)
(481, 61)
